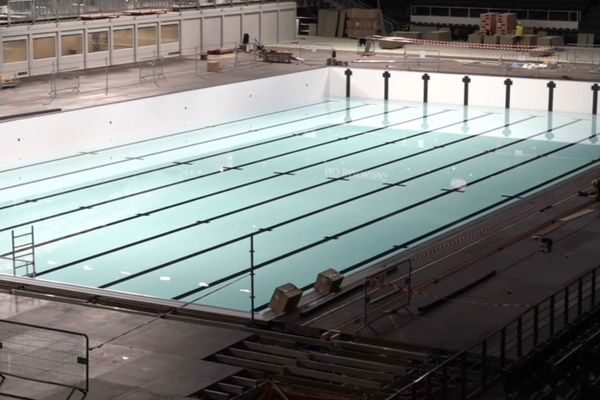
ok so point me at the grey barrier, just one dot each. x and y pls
(46, 355)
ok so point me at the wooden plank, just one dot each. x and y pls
(241, 362)
(351, 371)
(243, 381)
(282, 351)
(329, 377)
(352, 362)
(387, 351)
(230, 388)
(577, 214)
(253, 355)
(215, 395)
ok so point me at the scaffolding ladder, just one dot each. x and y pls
(23, 252)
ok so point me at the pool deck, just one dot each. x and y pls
(137, 355)
(121, 83)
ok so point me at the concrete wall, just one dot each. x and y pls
(200, 30)
(73, 131)
(488, 91)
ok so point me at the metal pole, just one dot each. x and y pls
(14, 254)
(252, 279)
(106, 87)
(409, 281)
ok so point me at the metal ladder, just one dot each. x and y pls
(23, 252)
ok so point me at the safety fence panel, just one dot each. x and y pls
(45, 355)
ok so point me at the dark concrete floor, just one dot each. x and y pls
(132, 355)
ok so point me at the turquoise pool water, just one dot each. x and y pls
(334, 184)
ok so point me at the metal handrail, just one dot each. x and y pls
(411, 387)
(574, 15)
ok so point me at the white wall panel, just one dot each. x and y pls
(211, 33)
(287, 25)
(251, 26)
(484, 91)
(232, 30)
(190, 35)
(268, 27)
(73, 131)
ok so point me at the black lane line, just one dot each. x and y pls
(178, 163)
(272, 199)
(181, 228)
(104, 202)
(349, 230)
(128, 159)
(454, 223)
(164, 136)
(270, 228)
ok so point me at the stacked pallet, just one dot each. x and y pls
(506, 24)
(487, 23)
(363, 22)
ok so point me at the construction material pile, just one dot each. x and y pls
(363, 22)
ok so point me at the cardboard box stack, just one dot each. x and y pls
(362, 22)
(506, 24)
(487, 24)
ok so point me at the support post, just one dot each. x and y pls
(106, 81)
(252, 297)
(551, 85)
(466, 80)
(426, 79)
(595, 88)
(348, 74)
(386, 85)
(508, 83)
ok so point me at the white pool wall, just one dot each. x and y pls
(484, 91)
(87, 129)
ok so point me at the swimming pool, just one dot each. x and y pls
(334, 183)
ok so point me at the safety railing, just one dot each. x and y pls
(471, 12)
(475, 369)
(46, 355)
(26, 11)
(64, 80)
(152, 69)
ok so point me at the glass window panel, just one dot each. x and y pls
(14, 50)
(97, 41)
(123, 39)
(44, 47)
(147, 36)
(72, 44)
(169, 33)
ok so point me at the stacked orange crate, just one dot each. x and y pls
(506, 24)
(487, 24)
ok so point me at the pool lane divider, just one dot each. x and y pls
(170, 165)
(178, 163)
(81, 153)
(343, 177)
(381, 218)
(224, 169)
